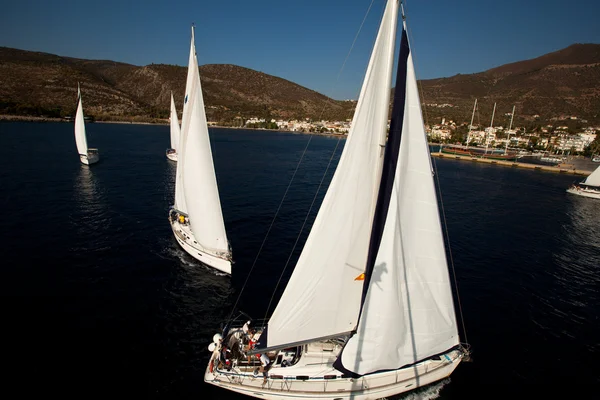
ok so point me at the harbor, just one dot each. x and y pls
(574, 166)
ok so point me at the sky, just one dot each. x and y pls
(304, 41)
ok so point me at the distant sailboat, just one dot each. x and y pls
(196, 217)
(86, 155)
(175, 132)
(590, 187)
(368, 311)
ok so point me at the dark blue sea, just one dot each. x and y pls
(99, 300)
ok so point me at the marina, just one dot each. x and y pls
(515, 164)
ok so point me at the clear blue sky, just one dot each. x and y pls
(304, 41)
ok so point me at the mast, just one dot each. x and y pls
(471, 124)
(509, 128)
(491, 126)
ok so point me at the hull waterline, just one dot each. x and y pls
(324, 382)
(585, 193)
(91, 158)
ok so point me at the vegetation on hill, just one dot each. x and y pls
(556, 85)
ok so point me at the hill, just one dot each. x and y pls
(555, 85)
(559, 84)
(33, 83)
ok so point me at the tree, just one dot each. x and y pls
(593, 148)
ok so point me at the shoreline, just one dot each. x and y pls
(515, 164)
(27, 118)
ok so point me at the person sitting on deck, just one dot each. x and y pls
(265, 363)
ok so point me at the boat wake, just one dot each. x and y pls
(429, 392)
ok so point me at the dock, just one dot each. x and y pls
(562, 169)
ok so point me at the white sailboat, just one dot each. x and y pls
(368, 311)
(196, 217)
(590, 187)
(86, 155)
(175, 132)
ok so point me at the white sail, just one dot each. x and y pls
(180, 203)
(323, 296)
(80, 137)
(199, 180)
(594, 178)
(408, 314)
(175, 130)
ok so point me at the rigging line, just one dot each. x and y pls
(419, 82)
(437, 178)
(269, 230)
(462, 319)
(327, 102)
(302, 228)
(294, 174)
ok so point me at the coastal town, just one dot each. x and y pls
(566, 135)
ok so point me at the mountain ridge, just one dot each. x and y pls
(564, 82)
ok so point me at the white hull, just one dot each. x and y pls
(185, 238)
(282, 382)
(92, 157)
(172, 155)
(594, 194)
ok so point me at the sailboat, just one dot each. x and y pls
(590, 187)
(196, 217)
(86, 155)
(175, 132)
(368, 311)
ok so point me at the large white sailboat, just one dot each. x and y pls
(196, 216)
(590, 187)
(86, 155)
(175, 132)
(368, 311)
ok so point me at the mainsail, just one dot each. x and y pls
(175, 130)
(80, 137)
(594, 178)
(408, 303)
(199, 183)
(323, 296)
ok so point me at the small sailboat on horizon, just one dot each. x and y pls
(87, 155)
(175, 132)
(196, 217)
(368, 311)
(590, 187)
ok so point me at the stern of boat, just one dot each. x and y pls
(93, 156)
(172, 154)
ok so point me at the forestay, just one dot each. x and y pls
(199, 180)
(175, 130)
(80, 136)
(180, 203)
(323, 295)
